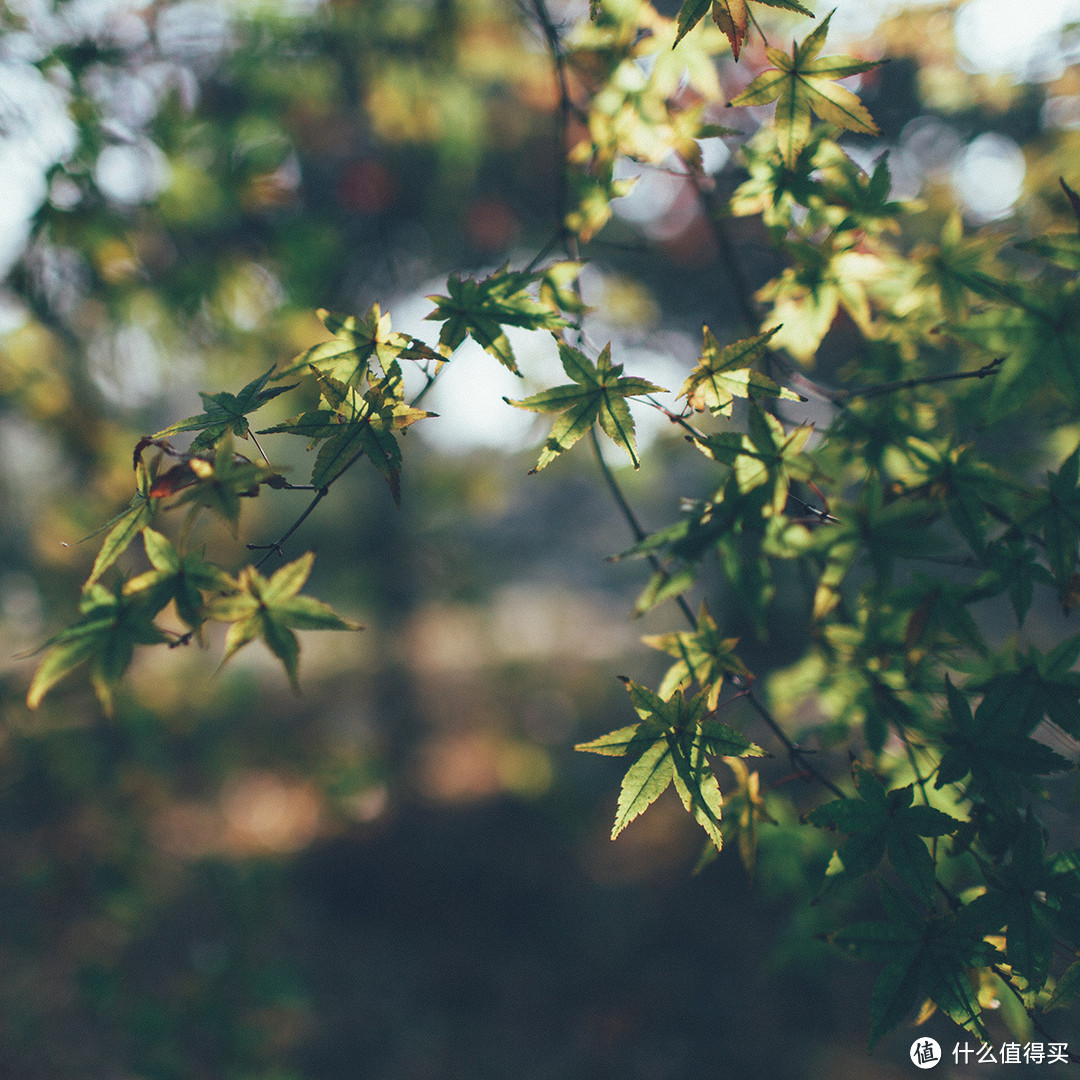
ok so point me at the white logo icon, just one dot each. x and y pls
(925, 1053)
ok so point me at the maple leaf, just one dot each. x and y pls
(724, 374)
(598, 392)
(803, 82)
(356, 424)
(766, 454)
(269, 608)
(181, 578)
(732, 16)
(225, 413)
(993, 746)
(1036, 330)
(356, 342)
(672, 744)
(703, 656)
(1040, 686)
(123, 528)
(881, 821)
(112, 623)
(932, 955)
(1058, 513)
(480, 310)
(221, 482)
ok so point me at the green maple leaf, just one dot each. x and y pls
(598, 392)
(767, 455)
(1062, 249)
(1044, 686)
(1013, 566)
(882, 530)
(269, 608)
(803, 82)
(222, 482)
(723, 374)
(356, 342)
(1031, 887)
(123, 528)
(703, 656)
(480, 309)
(225, 413)
(1036, 330)
(591, 195)
(111, 625)
(955, 266)
(122, 531)
(672, 744)
(880, 822)
(732, 16)
(993, 746)
(182, 578)
(928, 956)
(356, 424)
(969, 487)
(1035, 898)
(1058, 516)
(1067, 988)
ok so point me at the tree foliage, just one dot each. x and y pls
(889, 449)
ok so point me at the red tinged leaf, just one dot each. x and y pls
(170, 482)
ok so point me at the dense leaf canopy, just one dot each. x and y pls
(859, 512)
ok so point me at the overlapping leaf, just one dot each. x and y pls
(723, 374)
(356, 424)
(356, 343)
(768, 456)
(225, 413)
(180, 578)
(1057, 514)
(480, 309)
(598, 393)
(880, 822)
(221, 482)
(992, 746)
(804, 82)
(732, 16)
(703, 656)
(931, 957)
(111, 624)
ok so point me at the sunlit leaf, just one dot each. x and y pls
(804, 81)
(598, 393)
(269, 608)
(225, 413)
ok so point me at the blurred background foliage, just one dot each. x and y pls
(405, 872)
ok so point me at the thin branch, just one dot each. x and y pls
(567, 110)
(880, 389)
(271, 549)
(797, 755)
(251, 435)
(635, 525)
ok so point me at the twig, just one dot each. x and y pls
(797, 755)
(566, 111)
(635, 525)
(270, 549)
(880, 389)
